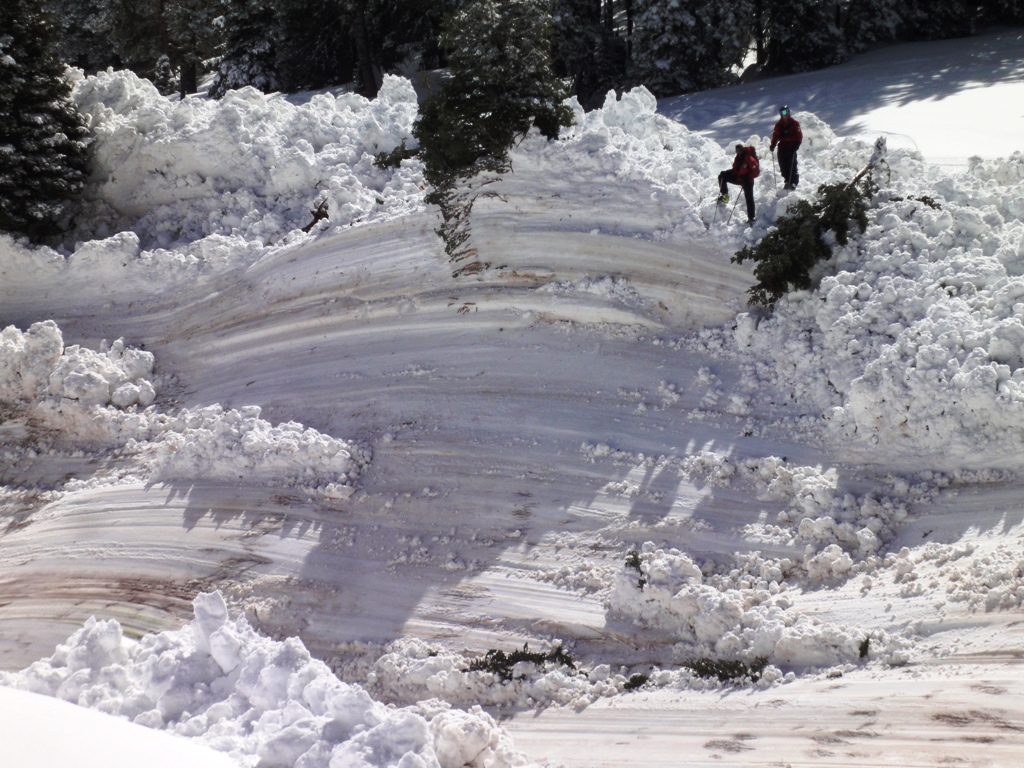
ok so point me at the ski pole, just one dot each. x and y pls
(732, 209)
(774, 177)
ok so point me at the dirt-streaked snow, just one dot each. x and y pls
(220, 433)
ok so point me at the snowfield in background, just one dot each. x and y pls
(689, 526)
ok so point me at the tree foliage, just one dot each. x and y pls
(78, 35)
(868, 22)
(148, 35)
(927, 20)
(587, 52)
(501, 84)
(671, 46)
(43, 137)
(252, 29)
(802, 35)
(801, 239)
(689, 45)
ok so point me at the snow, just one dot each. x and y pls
(278, 492)
(260, 701)
(87, 738)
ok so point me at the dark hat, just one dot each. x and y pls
(784, 110)
(739, 147)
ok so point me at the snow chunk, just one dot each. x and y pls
(277, 706)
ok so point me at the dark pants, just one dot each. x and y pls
(787, 164)
(748, 188)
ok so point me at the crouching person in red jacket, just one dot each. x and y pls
(745, 168)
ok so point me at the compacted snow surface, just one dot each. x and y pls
(288, 493)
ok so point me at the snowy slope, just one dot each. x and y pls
(404, 469)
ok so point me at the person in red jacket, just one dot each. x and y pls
(745, 168)
(787, 136)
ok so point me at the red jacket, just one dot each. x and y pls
(787, 134)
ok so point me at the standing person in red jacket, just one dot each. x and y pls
(745, 168)
(787, 136)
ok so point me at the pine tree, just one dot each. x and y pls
(928, 20)
(586, 52)
(253, 28)
(136, 31)
(869, 22)
(689, 45)
(146, 35)
(386, 32)
(1002, 11)
(43, 137)
(315, 48)
(77, 34)
(501, 83)
(193, 30)
(802, 35)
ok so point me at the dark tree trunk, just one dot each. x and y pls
(368, 70)
(189, 78)
(629, 29)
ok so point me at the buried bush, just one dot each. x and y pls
(635, 681)
(502, 664)
(394, 158)
(633, 561)
(726, 670)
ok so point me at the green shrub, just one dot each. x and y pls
(633, 561)
(726, 670)
(394, 158)
(786, 255)
(501, 663)
(634, 682)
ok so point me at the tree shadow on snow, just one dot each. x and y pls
(841, 95)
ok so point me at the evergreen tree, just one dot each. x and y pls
(194, 29)
(43, 137)
(78, 37)
(315, 46)
(143, 32)
(250, 53)
(136, 31)
(387, 32)
(164, 76)
(928, 20)
(869, 22)
(689, 45)
(801, 35)
(339, 41)
(501, 84)
(586, 52)
(800, 239)
(1002, 11)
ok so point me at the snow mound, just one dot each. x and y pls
(228, 445)
(249, 165)
(260, 701)
(666, 590)
(27, 360)
(35, 365)
(913, 337)
(104, 399)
